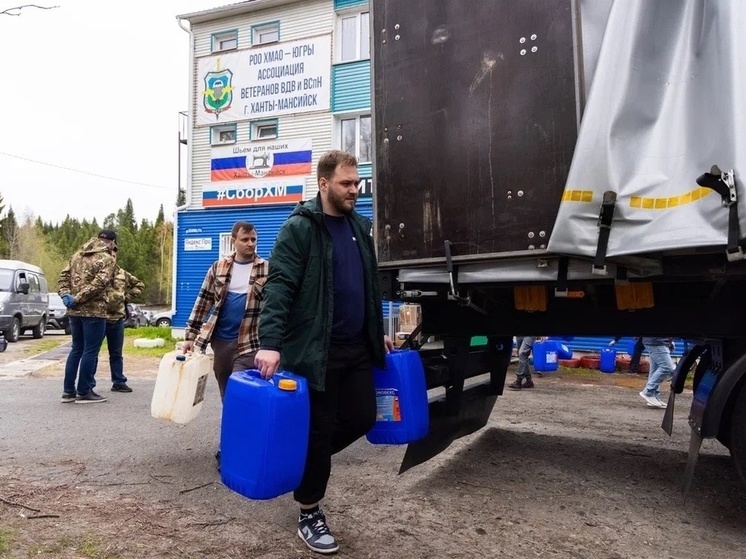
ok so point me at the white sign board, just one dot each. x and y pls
(279, 79)
(198, 244)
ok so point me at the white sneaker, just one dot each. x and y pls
(653, 401)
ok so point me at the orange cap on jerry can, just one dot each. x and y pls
(287, 384)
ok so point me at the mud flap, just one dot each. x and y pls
(446, 426)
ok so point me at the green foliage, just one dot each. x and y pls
(145, 248)
(5, 538)
(150, 332)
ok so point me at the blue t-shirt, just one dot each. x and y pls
(234, 307)
(349, 283)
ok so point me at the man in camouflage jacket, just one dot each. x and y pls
(123, 287)
(82, 286)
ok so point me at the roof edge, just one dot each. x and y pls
(230, 10)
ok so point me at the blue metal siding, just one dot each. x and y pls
(344, 4)
(596, 344)
(191, 266)
(351, 86)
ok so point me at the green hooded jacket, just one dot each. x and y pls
(297, 312)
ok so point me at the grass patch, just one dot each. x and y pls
(148, 332)
(5, 538)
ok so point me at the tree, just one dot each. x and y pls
(9, 228)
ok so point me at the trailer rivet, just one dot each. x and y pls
(542, 234)
(398, 126)
(531, 247)
(396, 26)
(384, 41)
(522, 40)
(530, 234)
(523, 52)
(542, 246)
(510, 197)
(533, 37)
(520, 193)
(399, 137)
(401, 226)
(397, 37)
(534, 49)
(385, 140)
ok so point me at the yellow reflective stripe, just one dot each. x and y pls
(577, 196)
(644, 203)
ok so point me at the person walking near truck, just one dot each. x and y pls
(232, 290)
(525, 345)
(123, 287)
(82, 286)
(322, 319)
(661, 369)
(634, 363)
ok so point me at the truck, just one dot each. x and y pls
(564, 167)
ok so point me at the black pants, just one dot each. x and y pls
(340, 415)
(634, 364)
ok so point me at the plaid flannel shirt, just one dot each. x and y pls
(211, 296)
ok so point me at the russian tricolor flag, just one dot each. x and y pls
(284, 164)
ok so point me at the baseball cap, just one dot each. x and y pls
(107, 234)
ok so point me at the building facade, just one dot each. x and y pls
(274, 84)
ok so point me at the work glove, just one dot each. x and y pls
(68, 300)
(612, 342)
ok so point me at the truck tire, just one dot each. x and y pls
(738, 433)
(38, 330)
(14, 333)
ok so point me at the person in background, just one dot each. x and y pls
(232, 290)
(322, 319)
(82, 288)
(123, 287)
(661, 369)
(634, 363)
(523, 376)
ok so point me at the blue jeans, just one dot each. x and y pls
(661, 368)
(88, 335)
(524, 345)
(115, 341)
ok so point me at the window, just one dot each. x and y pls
(34, 282)
(265, 33)
(227, 40)
(226, 244)
(353, 32)
(355, 137)
(264, 129)
(220, 135)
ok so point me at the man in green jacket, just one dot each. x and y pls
(322, 320)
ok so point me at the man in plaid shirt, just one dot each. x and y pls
(232, 290)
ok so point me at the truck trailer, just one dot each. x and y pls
(564, 167)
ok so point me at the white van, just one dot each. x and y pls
(24, 299)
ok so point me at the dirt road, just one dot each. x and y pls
(571, 469)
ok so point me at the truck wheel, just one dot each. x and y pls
(14, 332)
(738, 433)
(38, 330)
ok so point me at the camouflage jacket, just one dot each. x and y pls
(86, 278)
(123, 288)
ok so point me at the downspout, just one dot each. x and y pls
(188, 188)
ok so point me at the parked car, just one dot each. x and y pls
(135, 317)
(57, 318)
(23, 299)
(162, 319)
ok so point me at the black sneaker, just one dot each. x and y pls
(68, 397)
(313, 530)
(90, 398)
(121, 387)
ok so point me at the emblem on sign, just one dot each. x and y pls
(218, 93)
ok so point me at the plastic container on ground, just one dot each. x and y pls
(402, 414)
(180, 386)
(264, 433)
(545, 356)
(608, 360)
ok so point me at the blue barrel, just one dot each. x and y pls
(264, 434)
(563, 352)
(608, 360)
(546, 356)
(402, 414)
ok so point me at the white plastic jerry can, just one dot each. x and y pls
(180, 386)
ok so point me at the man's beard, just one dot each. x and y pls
(338, 203)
